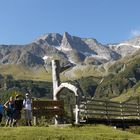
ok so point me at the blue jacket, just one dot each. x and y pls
(1, 108)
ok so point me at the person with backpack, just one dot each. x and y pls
(27, 103)
(18, 105)
(1, 111)
(9, 106)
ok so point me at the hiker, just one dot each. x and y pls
(1, 110)
(18, 105)
(9, 106)
(27, 103)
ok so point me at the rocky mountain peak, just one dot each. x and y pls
(66, 42)
(52, 39)
(66, 35)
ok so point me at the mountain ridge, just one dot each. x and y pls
(69, 49)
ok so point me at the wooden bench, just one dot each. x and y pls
(48, 108)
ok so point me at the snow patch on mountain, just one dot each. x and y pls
(127, 44)
(71, 61)
(64, 49)
(99, 57)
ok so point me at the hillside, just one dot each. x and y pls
(25, 73)
(123, 79)
(103, 71)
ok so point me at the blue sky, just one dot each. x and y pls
(109, 21)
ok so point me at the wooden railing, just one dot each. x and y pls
(48, 108)
(109, 110)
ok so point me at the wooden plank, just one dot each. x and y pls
(50, 112)
(94, 104)
(114, 106)
(109, 113)
(101, 114)
(127, 115)
(48, 103)
(51, 103)
(129, 110)
(110, 106)
(130, 106)
(96, 109)
(101, 109)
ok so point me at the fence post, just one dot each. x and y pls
(106, 110)
(138, 108)
(121, 110)
(122, 115)
(35, 120)
(77, 110)
(86, 108)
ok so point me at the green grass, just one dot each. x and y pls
(98, 132)
(25, 73)
(123, 97)
(21, 72)
(131, 93)
(89, 70)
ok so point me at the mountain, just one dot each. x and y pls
(103, 71)
(87, 55)
(67, 48)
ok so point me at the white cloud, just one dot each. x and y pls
(135, 33)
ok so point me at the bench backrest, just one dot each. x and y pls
(48, 108)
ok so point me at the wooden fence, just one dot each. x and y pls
(99, 109)
(48, 108)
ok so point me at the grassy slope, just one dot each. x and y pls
(135, 91)
(21, 72)
(118, 83)
(66, 133)
(25, 73)
(39, 74)
(82, 71)
(130, 94)
(89, 70)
